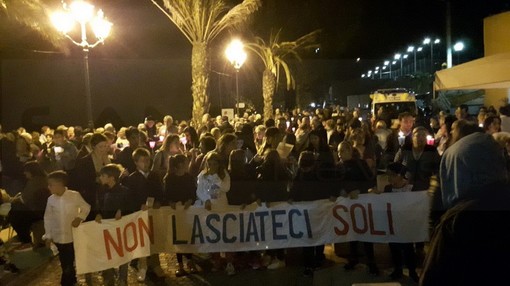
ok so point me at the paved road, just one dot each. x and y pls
(48, 274)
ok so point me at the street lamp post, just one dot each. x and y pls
(419, 49)
(83, 13)
(405, 56)
(413, 50)
(428, 41)
(458, 47)
(386, 64)
(397, 57)
(236, 56)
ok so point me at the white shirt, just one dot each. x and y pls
(60, 213)
(213, 188)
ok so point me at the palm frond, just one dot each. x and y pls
(235, 16)
(35, 15)
(178, 13)
(203, 20)
(274, 53)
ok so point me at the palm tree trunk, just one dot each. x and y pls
(268, 91)
(200, 81)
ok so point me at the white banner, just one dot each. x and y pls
(111, 243)
(392, 217)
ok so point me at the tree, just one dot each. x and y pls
(274, 55)
(33, 14)
(201, 21)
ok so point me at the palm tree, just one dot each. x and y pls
(275, 55)
(201, 21)
(33, 14)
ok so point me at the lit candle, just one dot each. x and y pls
(161, 138)
(430, 140)
(288, 124)
(401, 138)
(152, 144)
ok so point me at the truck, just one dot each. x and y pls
(393, 101)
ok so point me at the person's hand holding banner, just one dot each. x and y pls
(98, 218)
(187, 204)
(207, 205)
(118, 215)
(76, 222)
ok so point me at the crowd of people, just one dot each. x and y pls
(300, 155)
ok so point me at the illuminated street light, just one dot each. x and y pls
(419, 49)
(427, 41)
(82, 13)
(358, 59)
(458, 47)
(376, 68)
(363, 76)
(411, 49)
(398, 56)
(386, 63)
(236, 56)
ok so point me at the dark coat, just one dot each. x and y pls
(83, 178)
(125, 158)
(180, 188)
(419, 171)
(143, 188)
(118, 198)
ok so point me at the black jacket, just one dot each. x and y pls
(142, 187)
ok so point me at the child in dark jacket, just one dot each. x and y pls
(181, 187)
(117, 202)
(308, 187)
(147, 189)
(272, 183)
(398, 183)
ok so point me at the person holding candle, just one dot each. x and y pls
(420, 159)
(401, 136)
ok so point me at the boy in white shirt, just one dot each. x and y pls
(65, 209)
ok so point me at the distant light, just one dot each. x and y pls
(405, 56)
(358, 59)
(437, 41)
(370, 71)
(393, 62)
(376, 68)
(386, 63)
(317, 50)
(384, 67)
(397, 56)
(426, 41)
(312, 104)
(459, 46)
(410, 49)
(363, 76)
(376, 72)
(420, 49)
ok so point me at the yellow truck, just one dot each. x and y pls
(393, 102)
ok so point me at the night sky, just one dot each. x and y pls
(372, 30)
(369, 29)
